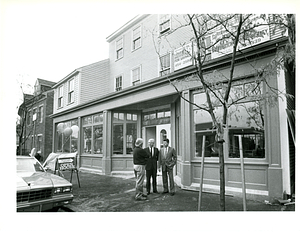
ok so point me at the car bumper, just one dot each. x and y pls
(44, 205)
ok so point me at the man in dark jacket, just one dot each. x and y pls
(151, 166)
(139, 161)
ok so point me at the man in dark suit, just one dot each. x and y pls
(167, 160)
(151, 166)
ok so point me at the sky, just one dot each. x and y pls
(49, 40)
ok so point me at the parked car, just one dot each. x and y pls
(38, 190)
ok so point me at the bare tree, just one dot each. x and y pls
(213, 33)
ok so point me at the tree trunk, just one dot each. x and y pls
(222, 177)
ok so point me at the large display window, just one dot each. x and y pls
(67, 136)
(245, 118)
(124, 132)
(92, 127)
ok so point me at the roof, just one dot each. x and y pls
(125, 27)
(77, 70)
(46, 82)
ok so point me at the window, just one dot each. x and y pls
(136, 75)
(136, 40)
(28, 117)
(118, 83)
(93, 134)
(246, 118)
(67, 143)
(71, 91)
(164, 23)
(119, 48)
(164, 64)
(34, 114)
(60, 97)
(39, 143)
(41, 114)
(124, 132)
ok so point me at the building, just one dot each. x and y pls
(36, 125)
(138, 101)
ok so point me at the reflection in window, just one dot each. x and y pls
(131, 136)
(87, 135)
(252, 142)
(98, 139)
(118, 139)
(70, 143)
(124, 132)
(93, 134)
(211, 147)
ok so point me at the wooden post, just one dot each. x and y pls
(201, 172)
(243, 173)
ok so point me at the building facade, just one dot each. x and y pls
(134, 98)
(37, 127)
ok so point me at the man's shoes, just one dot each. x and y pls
(148, 193)
(155, 191)
(140, 198)
(165, 192)
(172, 194)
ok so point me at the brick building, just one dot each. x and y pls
(34, 112)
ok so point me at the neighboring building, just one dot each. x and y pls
(137, 100)
(77, 91)
(34, 112)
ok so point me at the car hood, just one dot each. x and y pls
(37, 180)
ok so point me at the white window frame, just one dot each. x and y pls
(71, 91)
(60, 96)
(139, 79)
(136, 37)
(34, 112)
(39, 142)
(119, 88)
(120, 48)
(161, 70)
(162, 20)
(41, 113)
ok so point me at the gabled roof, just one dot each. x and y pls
(45, 82)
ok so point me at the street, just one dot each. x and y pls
(100, 193)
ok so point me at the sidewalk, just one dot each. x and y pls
(100, 193)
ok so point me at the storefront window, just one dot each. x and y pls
(245, 119)
(67, 136)
(248, 124)
(131, 136)
(87, 138)
(93, 134)
(124, 132)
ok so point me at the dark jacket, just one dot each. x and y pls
(152, 161)
(140, 156)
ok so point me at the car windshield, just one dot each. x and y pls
(28, 165)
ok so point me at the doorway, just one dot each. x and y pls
(158, 133)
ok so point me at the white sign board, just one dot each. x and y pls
(253, 37)
(183, 56)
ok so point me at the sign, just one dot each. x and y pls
(253, 37)
(183, 56)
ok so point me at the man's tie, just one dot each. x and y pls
(151, 152)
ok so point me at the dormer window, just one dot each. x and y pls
(71, 91)
(60, 97)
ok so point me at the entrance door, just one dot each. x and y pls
(162, 132)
